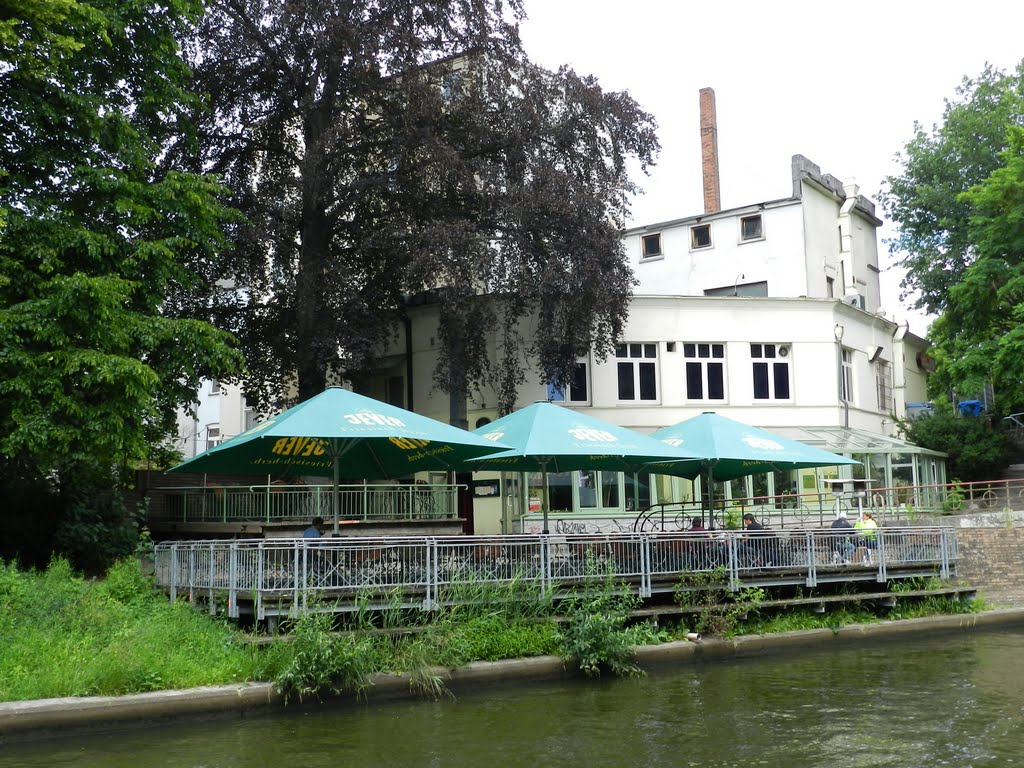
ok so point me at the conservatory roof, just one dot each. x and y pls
(847, 440)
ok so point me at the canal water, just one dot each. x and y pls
(948, 700)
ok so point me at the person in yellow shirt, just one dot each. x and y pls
(868, 530)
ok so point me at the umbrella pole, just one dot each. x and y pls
(708, 494)
(544, 480)
(334, 494)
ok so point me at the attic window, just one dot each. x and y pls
(751, 228)
(650, 245)
(700, 236)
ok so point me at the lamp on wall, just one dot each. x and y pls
(839, 330)
(736, 283)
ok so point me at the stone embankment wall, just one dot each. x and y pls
(992, 559)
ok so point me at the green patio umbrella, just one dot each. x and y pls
(341, 434)
(731, 449)
(550, 438)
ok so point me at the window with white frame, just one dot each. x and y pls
(846, 391)
(883, 378)
(704, 366)
(751, 228)
(577, 391)
(216, 388)
(212, 435)
(637, 368)
(650, 246)
(700, 236)
(771, 371)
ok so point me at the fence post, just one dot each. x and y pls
(645, 566)
(880, 540)
(812, 559)
(174, 572)
(732, 562)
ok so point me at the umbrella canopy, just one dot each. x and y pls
(341, 434)
(551, 438)
(732, 449)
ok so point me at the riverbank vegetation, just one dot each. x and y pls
(65, 635)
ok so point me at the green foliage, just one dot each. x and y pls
(975, 451)
(62, 635)
(721, 610)
(594, 632)
(98, 306)
(322, 661)
(958, 206)
(925, 200)
(733, 519)
(363, 180)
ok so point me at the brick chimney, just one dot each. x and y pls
(709, 151)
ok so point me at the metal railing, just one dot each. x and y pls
(892, 505)
(275, 577)
(285, 503)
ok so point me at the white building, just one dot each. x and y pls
(222, 413)
(767, 313)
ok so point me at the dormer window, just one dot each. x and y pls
(700, 236)
(650, 246)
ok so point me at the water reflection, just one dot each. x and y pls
(949, 700)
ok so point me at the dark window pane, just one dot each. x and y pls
(704, 350)
(650, 350)
(636, 350)
(716, 381)
(648, 385)
(755, 350)
(620, 350)
(769, 350)
(626, 389)
(781, 381)
(689, 350)
(701, 236)
(761, 381)
(694, 382)
(651, 245)
(750, 227)
(560, 490)
(718, 350)
(578, 385)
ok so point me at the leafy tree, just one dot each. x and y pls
(93, 240)
(975, 451)
(958, 204)
(980, 336)
(387, 148)
(926, 200)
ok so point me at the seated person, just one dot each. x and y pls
(868, 530)
(839, 541)
(315, 529)
(755, 549)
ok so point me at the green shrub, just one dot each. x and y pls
(321, 661)
(594, 633)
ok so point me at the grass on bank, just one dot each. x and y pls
(63, 635)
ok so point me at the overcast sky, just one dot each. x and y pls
(841, 83)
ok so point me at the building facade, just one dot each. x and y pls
(768, 314)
